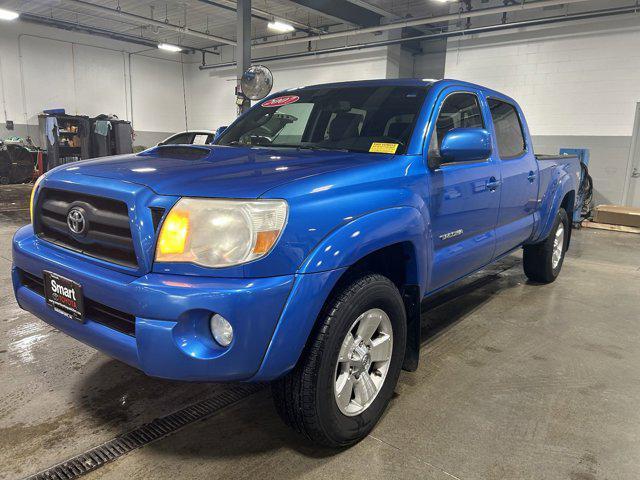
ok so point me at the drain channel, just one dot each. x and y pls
(111, 450)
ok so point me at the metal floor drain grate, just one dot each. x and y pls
(99, 456)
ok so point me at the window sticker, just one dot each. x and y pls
(280, 101)
(381, 147)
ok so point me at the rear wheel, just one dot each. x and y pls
(543, 261)
(343, 382)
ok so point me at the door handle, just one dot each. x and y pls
(531, 177)
(635, 173)
(493, 184)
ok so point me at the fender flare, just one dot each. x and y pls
(561, 187)
(323, 268)
(373, 231)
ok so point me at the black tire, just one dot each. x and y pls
(538, 258)
(304, 398)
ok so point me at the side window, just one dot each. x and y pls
(459, 110)
(509, 134)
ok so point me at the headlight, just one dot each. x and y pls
(220, 233)
(33, 195)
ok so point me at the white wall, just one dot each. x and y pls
(44, 68)
(578, 85)
(210, 97)
(573, 80)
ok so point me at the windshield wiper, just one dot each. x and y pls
(311, 147)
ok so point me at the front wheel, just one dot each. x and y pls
(343, 382)
(543, 261)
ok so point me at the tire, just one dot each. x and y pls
(539, 262)
(306, 398)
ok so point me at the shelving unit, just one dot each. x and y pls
(69, 142)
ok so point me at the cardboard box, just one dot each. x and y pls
(617, 215)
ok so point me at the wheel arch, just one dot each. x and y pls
(563, 195)
(392, 242)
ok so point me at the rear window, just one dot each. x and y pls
(509, 133)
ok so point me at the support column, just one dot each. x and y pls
(243, 50)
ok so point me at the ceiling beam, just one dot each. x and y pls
(462, 32)
(100, 32)
(416, 22)
(259, 14)
(346, 12)
(148, 21)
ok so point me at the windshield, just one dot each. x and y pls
(354, 119)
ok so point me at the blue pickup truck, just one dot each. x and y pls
(297, 248)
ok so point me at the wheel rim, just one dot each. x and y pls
(363, 362)
(558, 246)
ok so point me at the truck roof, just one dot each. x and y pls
(402, 82)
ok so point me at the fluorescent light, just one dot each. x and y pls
(169, 47)
(280, 26)
(8, 14)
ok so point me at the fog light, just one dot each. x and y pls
(221, 329)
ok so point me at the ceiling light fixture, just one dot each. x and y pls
(168, 47)
(8, 14)
(280, 26)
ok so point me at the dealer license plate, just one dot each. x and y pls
(64, 295)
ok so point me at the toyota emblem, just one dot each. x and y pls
(76, 221)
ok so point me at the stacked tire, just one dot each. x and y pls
(16, 164)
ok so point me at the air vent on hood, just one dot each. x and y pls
(181, 151)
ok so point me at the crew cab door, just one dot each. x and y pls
(519, 171)
(464, 197)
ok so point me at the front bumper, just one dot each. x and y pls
(172, 338)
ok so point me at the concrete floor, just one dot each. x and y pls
(517, 381)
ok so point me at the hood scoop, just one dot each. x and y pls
(182, 152)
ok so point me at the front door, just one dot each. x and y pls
(632, 193)
(464, 197)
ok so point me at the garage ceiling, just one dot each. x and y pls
(214, 18)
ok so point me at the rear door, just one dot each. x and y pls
(519, 170)
(464, 197)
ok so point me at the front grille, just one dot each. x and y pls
(107, 235)
(97, 312)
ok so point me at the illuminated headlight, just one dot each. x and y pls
(33, 195)
(221, 330)
(220, 233)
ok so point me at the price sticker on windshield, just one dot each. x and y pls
(381, 147)
(280, 101)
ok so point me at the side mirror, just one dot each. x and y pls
(219, 132)
(465, 145)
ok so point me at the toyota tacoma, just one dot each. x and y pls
(297, 248)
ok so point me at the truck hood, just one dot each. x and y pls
(217, 171)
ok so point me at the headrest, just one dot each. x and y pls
(344, 125)
(398, 130)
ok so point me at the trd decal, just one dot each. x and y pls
(453, 234)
